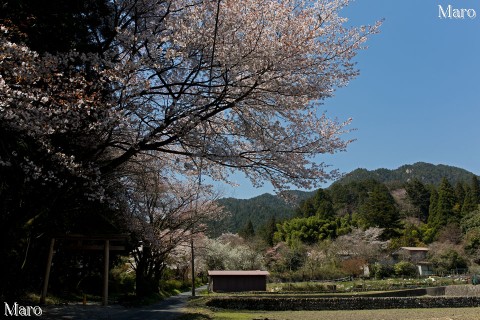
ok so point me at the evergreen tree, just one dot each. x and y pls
(379, 210)
(320, 205)
(446, 204)
(476, 189)
(247, 232)
(323, 205)
(268, 230)
(306, 209)
(419, 196)
(432, 209)
(469, 203)
(271, 229)
(459, 195)
(344, 199)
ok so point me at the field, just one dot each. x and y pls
(392, 314)
(196, 309)
(366, 285)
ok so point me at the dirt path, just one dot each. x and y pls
(168, 309)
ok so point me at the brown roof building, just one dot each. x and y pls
(237, 281)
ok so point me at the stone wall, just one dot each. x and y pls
(463, 290)
(353, 303)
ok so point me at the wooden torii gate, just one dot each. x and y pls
(107, 243)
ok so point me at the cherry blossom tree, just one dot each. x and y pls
(237, 83)
(215, 85)
(166, 215)
(362, 244)
(230, 252)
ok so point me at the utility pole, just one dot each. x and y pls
(193, 265)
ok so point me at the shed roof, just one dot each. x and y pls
(238, 273)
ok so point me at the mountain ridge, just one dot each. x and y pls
(261, 208)
(427, 173)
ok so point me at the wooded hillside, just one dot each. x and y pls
(259, 209)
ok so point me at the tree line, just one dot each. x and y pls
(336, 221)
(351, 226)
(367, 204)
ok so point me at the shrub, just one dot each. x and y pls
(122, 280)
(173, 286)
(380, 271)
(405, 269)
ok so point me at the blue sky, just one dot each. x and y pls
(418, 94)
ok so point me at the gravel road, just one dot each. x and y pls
(168, 309)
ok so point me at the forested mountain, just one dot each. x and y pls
(257, 210)
(426, 173)
(413, 215)
(368, 215)
(361, 219)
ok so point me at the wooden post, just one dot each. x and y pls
(105, 272)
(47, 272)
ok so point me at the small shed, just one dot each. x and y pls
(237, 281)
(413, 254)
(416, 255)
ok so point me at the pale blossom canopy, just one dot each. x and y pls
(226, 85)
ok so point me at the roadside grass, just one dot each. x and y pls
(128, 300)
(56, 299)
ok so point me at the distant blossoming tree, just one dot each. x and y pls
(165, 215)
(224, 254)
